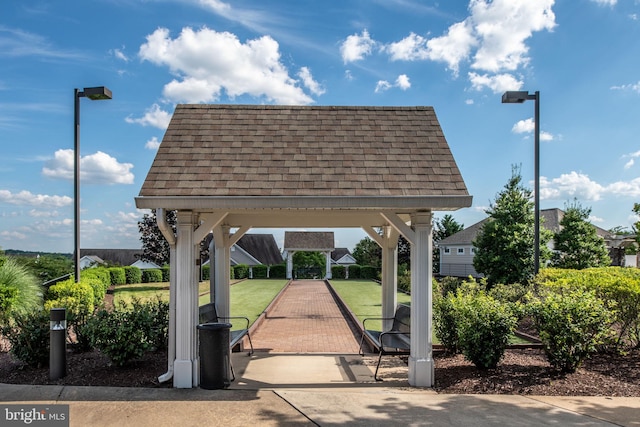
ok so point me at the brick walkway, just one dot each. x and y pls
(306, 319)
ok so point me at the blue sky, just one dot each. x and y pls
(458, 56)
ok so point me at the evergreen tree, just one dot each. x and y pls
(504, 245)
(577, 244)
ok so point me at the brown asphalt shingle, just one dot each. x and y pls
(251, 150)
(309, 240)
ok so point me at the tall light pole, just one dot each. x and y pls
(93, 93)
(518, 97)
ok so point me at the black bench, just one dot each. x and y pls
(208, 314)
(396, 341)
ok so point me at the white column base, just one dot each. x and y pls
(182, 374)
(421, 372)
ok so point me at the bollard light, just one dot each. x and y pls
(57, 343)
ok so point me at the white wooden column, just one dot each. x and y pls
(328, 274)
(290, 264)
(223, 270)
(421, 365)
(212, 271)
(185, 367)
(389, 274)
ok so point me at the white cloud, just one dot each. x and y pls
(528, 126)
(382, 86)
(497, 83)
(469, 101)
(154, 116)
(348, 75)
(633, 87)
(152, 144)
(569, 186)
(580, 186)
(119, 54)
(206, 62)
(629, 164)
(97, 168)
(450, 48)
(503, 26)
(523, 126)
(43, 214)
(356, 47)
(496, 29)
(29, 199)
(12, 235)
(402, 82)
(309, 82)
(605, 2)
(596, 219)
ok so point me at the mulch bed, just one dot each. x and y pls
(522, 371)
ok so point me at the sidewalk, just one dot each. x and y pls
(354, 406)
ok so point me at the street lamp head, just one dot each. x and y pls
(514, 97)
(97, 93)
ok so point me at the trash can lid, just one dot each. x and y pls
(213, 326)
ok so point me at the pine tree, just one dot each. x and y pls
(577, 244)
(504, 245)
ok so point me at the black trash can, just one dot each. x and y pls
(214, 355)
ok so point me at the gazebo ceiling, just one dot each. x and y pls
(284, 159)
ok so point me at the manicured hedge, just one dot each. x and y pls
(118, 276)
(133, 274)
(278, 271)
(259, 271)
(152, 275)
(338, 271)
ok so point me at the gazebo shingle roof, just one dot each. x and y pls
(308, 240)
(293, 151)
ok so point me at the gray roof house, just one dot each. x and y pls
(238, 167)
(256, 249)
(457, 251)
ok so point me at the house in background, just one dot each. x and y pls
(119, 257)
(90, 261)
(457, 251)
(308, 241)
(252, 250)
(342, 256)
(145, 265)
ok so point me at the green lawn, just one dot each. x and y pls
(364, 298)
(249, 298)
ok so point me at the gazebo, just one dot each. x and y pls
(228, 168)
(300, 241)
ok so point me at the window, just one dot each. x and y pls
(473, 251)
(447, 250)
(460, 251)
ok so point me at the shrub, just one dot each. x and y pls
(129, 331)
(616, 287)
(260, 271)
(241, 271)
(448, 285)
(278, 271)
(99, 273)
(28, 335)
(151, 275)
(205, 272)
(354, 271)
(445, 324)
(166, 274)
(99, 288)
(484, 326)
(369, 272)
(132, 274)
(77, 298)
(118, 276)
(20, 291)
(570, 325)
(338, 272)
